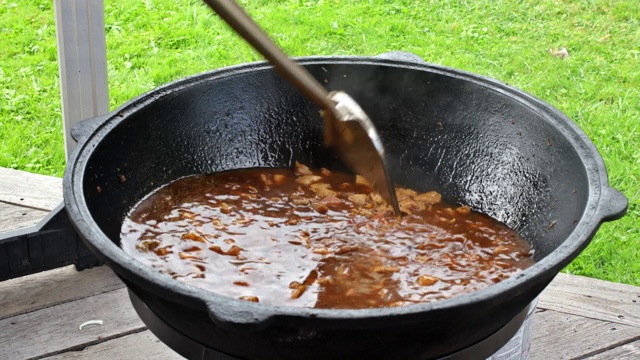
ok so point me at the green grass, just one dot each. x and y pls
(156, 41)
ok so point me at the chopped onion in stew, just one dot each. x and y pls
(318, 238)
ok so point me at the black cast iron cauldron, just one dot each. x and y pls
(477, 141)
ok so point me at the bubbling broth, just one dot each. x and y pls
(318, 238)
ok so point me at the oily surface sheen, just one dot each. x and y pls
(318, 239)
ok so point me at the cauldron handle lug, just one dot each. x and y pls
(235, 316)
(82, 130)
(402, 56)
(613, 204)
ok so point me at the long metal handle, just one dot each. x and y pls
(231, 12)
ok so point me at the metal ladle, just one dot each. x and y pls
(347, 128)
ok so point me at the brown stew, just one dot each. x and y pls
(318, 239)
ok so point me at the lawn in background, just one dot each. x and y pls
(520, 42)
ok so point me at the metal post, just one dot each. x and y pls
(82, 62)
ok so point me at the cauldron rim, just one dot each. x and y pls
(604, 203)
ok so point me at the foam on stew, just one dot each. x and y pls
(317, 238)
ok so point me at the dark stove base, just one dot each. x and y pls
(174, 339)
(193, 350)
(50, 244)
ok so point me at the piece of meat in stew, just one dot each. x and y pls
(318, 238)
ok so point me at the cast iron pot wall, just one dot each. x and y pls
(478, 142)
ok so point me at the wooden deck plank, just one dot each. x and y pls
(625, 352)
(30, 190)
(143, 345)
(602, 300)
(54, 287)
(54, 330)
(17, 217)
(559, 335)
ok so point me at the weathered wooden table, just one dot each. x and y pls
(40, 314)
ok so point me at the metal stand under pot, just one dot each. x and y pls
(50, 244)
(193, 350)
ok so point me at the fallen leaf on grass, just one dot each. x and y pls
(562, 53)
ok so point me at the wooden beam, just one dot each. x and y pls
(558, 335)
(55, 329)
(17, 217)
(54, 287)
(142, 345)
(82, 62)
(628, 351)
(26, 198)
(30, 190)
(601, 300)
